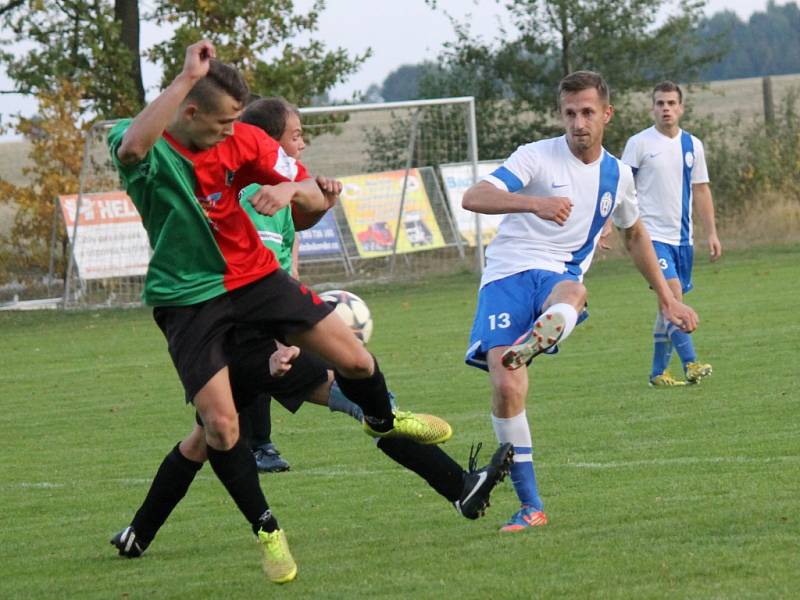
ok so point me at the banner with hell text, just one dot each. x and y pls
(111, 241)
(371, 204)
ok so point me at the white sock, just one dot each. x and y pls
(570, 317)
(514, 430)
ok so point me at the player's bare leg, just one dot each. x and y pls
(235, 467)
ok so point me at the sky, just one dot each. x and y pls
(398, 32)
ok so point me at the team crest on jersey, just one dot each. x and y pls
(229, 175)
(689, 159)
(605, 204)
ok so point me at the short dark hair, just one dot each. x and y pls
(269, 114)
(584, 80)
(668, 86)
(220, 79)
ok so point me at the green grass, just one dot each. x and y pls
(681, 493)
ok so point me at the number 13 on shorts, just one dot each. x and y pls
(499, 321)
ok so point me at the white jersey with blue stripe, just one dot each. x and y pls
(665, 169)
(548, 168)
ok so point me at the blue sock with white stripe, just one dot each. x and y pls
(682, 342)
(516, 431)
(662, 347)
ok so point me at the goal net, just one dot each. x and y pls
(403, 165)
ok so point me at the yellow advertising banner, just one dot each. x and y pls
(371, 204)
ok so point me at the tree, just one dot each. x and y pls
(767, 44)
(57, 149)
(73, 40)
(80, 68)
(256, 36)
(126, 13)
(515, 77)
(403, 82)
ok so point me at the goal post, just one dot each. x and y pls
(396, 218)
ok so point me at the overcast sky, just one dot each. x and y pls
(398, 32)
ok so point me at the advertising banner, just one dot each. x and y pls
(371, 204)
(322, 239)
(111, 241)
(457, 178)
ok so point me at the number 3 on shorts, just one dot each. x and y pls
(499, 321)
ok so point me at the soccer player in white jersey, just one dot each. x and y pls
(669, 167)
(557, 194)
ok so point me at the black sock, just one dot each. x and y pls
(254, 422)
(169, 486)
(431, 463)
(372, 396)
(236, 469)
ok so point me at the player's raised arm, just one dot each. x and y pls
(487, 199)
(640, 246)
(150, 123)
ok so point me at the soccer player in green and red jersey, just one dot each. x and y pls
(183, 161)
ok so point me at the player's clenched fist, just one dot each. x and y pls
(198, 57)
(269, 199)
(556, 208)
(331, 188)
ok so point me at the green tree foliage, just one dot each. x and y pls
(70, 40)
(633, 43)
(403, 82)
(78, 69)
(747, 161)
(767, 44)
(257, 36)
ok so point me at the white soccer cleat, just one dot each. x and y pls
(546, 332)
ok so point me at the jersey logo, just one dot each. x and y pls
(229, 175)
(555, 186)
(606, 202)
(689, 158)
(211, 199)
(654, 154)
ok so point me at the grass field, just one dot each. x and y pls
(682, 493)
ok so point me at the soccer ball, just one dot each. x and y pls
(352, 310)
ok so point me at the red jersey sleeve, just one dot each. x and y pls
(260, 157)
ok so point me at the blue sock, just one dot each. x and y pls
(338, 402)
(515, 430)
(523, 476)
(682, 342)
(662, 346)
(662, 352)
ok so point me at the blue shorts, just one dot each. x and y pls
(507, 308)
(676, 263)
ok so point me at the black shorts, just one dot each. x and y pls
(198, 335)
(249, 373)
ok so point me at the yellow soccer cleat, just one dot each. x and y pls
(665, 380)
(277, 562)
(419, 427)
(695, 371)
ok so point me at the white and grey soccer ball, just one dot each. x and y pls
(352, 310)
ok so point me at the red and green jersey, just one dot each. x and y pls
(203, 242)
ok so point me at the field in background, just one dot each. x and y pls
(683, 493)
